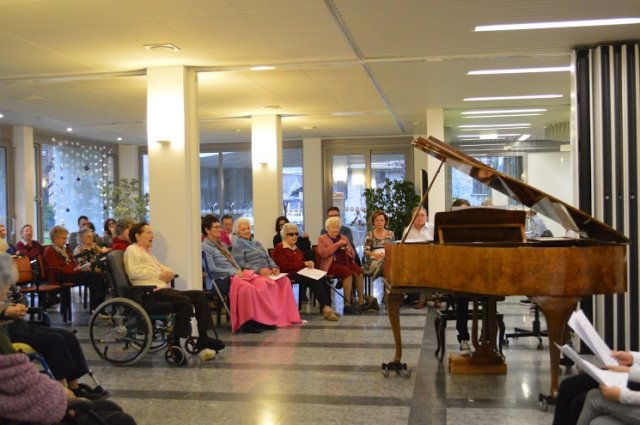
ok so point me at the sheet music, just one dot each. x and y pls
(587, 333)
(276, 276)
(604, 377)
(312, 273)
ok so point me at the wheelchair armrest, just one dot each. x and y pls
(136, 293)
(173, 281)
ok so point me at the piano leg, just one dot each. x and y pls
(557, 311)
(394, 301)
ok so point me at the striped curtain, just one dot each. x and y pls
(607, 109)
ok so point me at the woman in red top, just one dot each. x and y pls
(27, 246)
(62, 268)
(290, 259)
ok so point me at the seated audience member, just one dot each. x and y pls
(344, 230)
(83, 221)
(62, 268)
(421, 230)
(120, 240)
(59, 347)
(538, 226)
(580, 401)
(227, 230)
(290, 259)
(374, 242)
(303, 243)
(4, 245)
(87, 253)
(220, 264)
(337, 258)
(28, 246)
(30, 397)
(256, 303)
(109, 232)
(143, 268)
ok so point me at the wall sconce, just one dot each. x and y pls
(164, 142)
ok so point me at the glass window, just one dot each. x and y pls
(390, 166)
(348, 172)
(238, 184)
(210, 183)
(292, 190)
(73, 175)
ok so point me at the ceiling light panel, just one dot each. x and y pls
(520, 70)
(503, 111)
(559, 24)
(523, 97)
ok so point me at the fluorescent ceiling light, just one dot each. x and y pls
(501, 116)
(1, 116)
(502, 111)
(69, 129)
(533, 96)
(494, 125)
(528, 127)
(519, 70)
(482, 144)
(493, 135)
(262, 68)
(523, 137)
(558, 24)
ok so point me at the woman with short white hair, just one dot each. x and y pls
(337, 259)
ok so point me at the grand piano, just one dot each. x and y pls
(554, 272)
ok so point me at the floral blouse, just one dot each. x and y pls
(372, 243)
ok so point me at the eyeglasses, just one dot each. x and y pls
(296, 234)
(215, 226)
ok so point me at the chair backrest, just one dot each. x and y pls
(116, 273)
(25, 274)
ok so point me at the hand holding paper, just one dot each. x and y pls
(585, 330)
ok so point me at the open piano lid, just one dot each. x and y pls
(564, 214)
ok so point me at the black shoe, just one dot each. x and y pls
(339, 284)
(268, 327)
(212, 343)
(82, 393)
(96, 390)
(350, 310)
(251, 327)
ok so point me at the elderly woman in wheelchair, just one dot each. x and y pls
(149, 315)
(59, 347)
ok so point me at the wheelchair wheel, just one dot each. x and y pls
(175, 356)
(190, 345)
(161, 332)
(120, 331)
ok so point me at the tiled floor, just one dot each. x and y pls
(330, 372)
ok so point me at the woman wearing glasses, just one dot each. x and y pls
(290, 259)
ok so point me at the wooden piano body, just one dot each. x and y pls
(555, 273)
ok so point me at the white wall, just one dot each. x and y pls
(551, 173)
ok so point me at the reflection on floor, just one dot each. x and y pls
(330, 372)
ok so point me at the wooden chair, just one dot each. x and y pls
(32, 285)
(64, 289)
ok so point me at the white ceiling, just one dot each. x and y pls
(344, 68)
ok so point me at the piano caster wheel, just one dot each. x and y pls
(540, 346)
(399, 368)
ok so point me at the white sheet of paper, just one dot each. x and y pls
(312, 273)
(604, 377)
(587, 333)
(276, 276)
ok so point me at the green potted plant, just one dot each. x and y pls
(125, 200)
(396, 198)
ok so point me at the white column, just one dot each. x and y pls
(266, 159)
(128, 164)
(437, 195)
(174, 171)
(312, 169)
(25, 176)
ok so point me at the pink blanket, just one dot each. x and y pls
(267, 301)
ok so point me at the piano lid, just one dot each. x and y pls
(566, 215)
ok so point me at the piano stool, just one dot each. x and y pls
(440, 324)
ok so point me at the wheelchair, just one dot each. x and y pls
(124, 328)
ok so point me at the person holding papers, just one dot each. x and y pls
(290, 259)
(261, 298)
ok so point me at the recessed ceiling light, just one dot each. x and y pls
(262, 68)
(502, 111)
(532, 96)
(1, 116)
(416, 123)
(492, 136)
(501, 116)
(162, 47)
(559, 24)
(494, 125)
(272, 107)
(69, 129)
(519, 70)
(33, 97)
(237, 130)
(119, 139)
